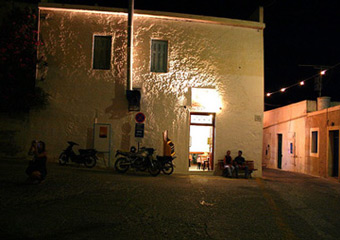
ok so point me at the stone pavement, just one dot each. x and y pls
(79, 203)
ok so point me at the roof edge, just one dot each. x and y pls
(156, 14)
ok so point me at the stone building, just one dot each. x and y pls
(200, 78)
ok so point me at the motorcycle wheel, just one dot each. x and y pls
(121, 165)
(90, 162)
(154, 169)
(168, 168)
(63, 159)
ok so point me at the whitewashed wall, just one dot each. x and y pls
(228, 58)
(290, 121)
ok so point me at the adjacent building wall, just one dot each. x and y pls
(295, 122)
(323, 121)
(290, 121)
(204, 52)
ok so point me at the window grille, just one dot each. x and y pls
(159, 56)
(102, 52)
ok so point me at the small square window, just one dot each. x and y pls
(102, 52)
(159, 56)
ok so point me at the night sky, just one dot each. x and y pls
(298, 32)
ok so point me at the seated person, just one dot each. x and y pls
(36, 169)
(228, 167)
(239, 162)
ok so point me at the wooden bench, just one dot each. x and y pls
(251, 168)
(249, 163)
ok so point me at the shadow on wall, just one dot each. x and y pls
(119, 107)
(89, 139)
(126, 136)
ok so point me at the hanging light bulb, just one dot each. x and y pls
(302, 83)
(283, 89)
(323, 72)
(268, 94)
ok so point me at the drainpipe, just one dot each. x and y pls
(129, 45)
(133, 96)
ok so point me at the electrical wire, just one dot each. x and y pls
(302, 82)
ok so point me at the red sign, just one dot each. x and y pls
(140, 117)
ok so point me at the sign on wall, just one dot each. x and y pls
(102, 133)
(102, 138)
(140, 117)
(139, 130)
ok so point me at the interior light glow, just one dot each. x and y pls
(283, 89)
(206, 99)
(268, 94)
(302, 83)
(323, 72)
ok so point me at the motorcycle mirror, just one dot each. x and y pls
(133, 149)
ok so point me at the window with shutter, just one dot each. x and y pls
(102, 52)
(159, 56)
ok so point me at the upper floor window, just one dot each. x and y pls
(314, 142)
(102, 52)
(159, 56)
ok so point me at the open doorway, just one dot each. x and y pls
(333, 156)
(201, 146)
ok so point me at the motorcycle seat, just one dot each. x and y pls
(81, 151)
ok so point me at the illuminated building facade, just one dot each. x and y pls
(200, 78)
(303, 137)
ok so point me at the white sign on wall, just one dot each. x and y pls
(102, 137)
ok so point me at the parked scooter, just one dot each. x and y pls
(86, 156)
(166, 165)
(165, 162)
(141, 160)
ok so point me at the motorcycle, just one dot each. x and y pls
(141, 160)
(166, 165)
(86, 156)
(165, 162)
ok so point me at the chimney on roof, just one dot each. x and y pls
(323, 103)
(257, 15)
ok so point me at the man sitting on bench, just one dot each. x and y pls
(240, 163)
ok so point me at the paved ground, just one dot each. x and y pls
(78, 203)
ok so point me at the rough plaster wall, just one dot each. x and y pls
(286, 113)
(292, 131)
(203, 55)
(334, 124)
(79, 93)
(324, 121)
(317, 165)
(200, 55)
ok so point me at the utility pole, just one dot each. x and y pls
(318, 80)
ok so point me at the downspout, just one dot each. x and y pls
(129, 46)
(133, 96)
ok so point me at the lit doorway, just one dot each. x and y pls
(333, 156)
(201, 147)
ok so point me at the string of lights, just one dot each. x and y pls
(302, 82)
